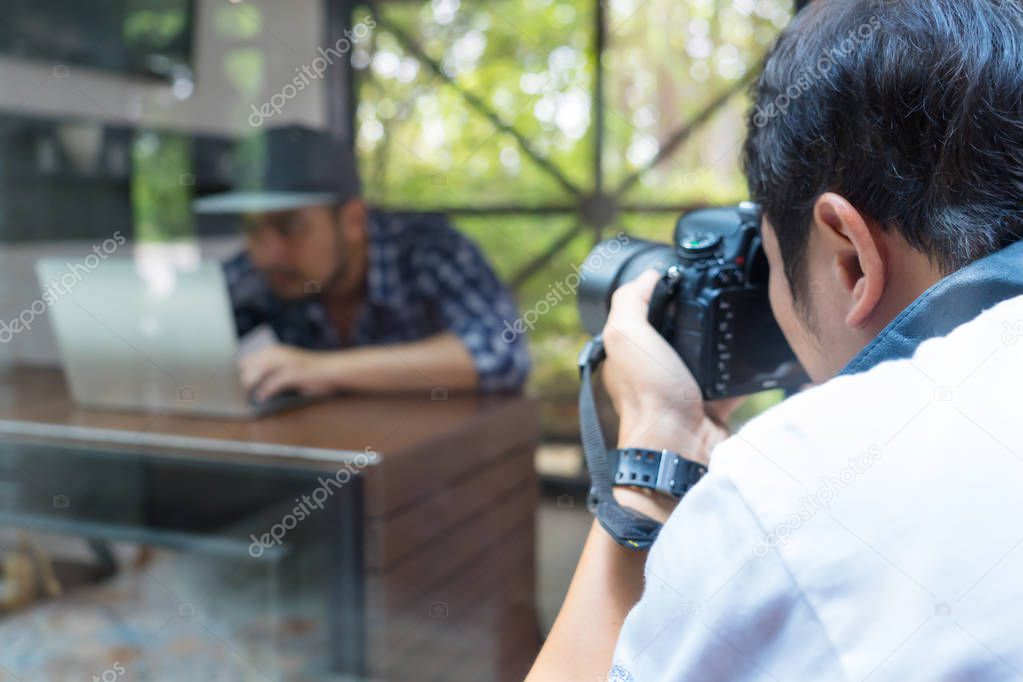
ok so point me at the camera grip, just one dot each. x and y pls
(660, 303)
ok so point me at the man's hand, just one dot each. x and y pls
(658, 402)
(276, 369)
(659, 407)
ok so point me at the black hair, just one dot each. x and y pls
(910, 109)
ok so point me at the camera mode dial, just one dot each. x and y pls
(698, 245)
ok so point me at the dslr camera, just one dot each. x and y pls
(710, 304)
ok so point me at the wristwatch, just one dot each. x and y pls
(659, 470)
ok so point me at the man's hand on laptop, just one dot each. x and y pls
(278, 369)
(658, 402)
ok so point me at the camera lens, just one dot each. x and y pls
(610, 265)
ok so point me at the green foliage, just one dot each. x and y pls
(422, 144)
(533, 64)
(154, 26)
(161, 187)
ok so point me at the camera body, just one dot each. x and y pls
(711, 302)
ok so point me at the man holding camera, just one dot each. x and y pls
(869, 526)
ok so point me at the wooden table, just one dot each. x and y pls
(430, 545)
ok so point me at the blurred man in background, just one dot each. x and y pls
(360, 300)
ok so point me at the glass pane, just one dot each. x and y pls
(158, 522)
(142, 537)
(105, 565)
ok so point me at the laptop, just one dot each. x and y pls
(138, 335)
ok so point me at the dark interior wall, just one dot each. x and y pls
(46, 193)
(73, 159)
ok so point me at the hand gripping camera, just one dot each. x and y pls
(710, 304)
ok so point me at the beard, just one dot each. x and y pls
(288, 284)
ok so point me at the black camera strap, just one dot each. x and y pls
(628, 527)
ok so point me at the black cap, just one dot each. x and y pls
(286, 168)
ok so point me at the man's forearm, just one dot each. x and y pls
(609, 578)
(607, 583)
(437, 361)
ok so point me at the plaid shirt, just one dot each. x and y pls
(424, 278)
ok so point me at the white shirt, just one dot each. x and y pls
(871, 527)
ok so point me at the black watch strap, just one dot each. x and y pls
(661, 470)
(626, 526)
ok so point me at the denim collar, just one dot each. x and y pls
(950, 302)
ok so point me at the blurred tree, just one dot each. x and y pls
(488, 108)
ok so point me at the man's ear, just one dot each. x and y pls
(351, 217)
(856, 253)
